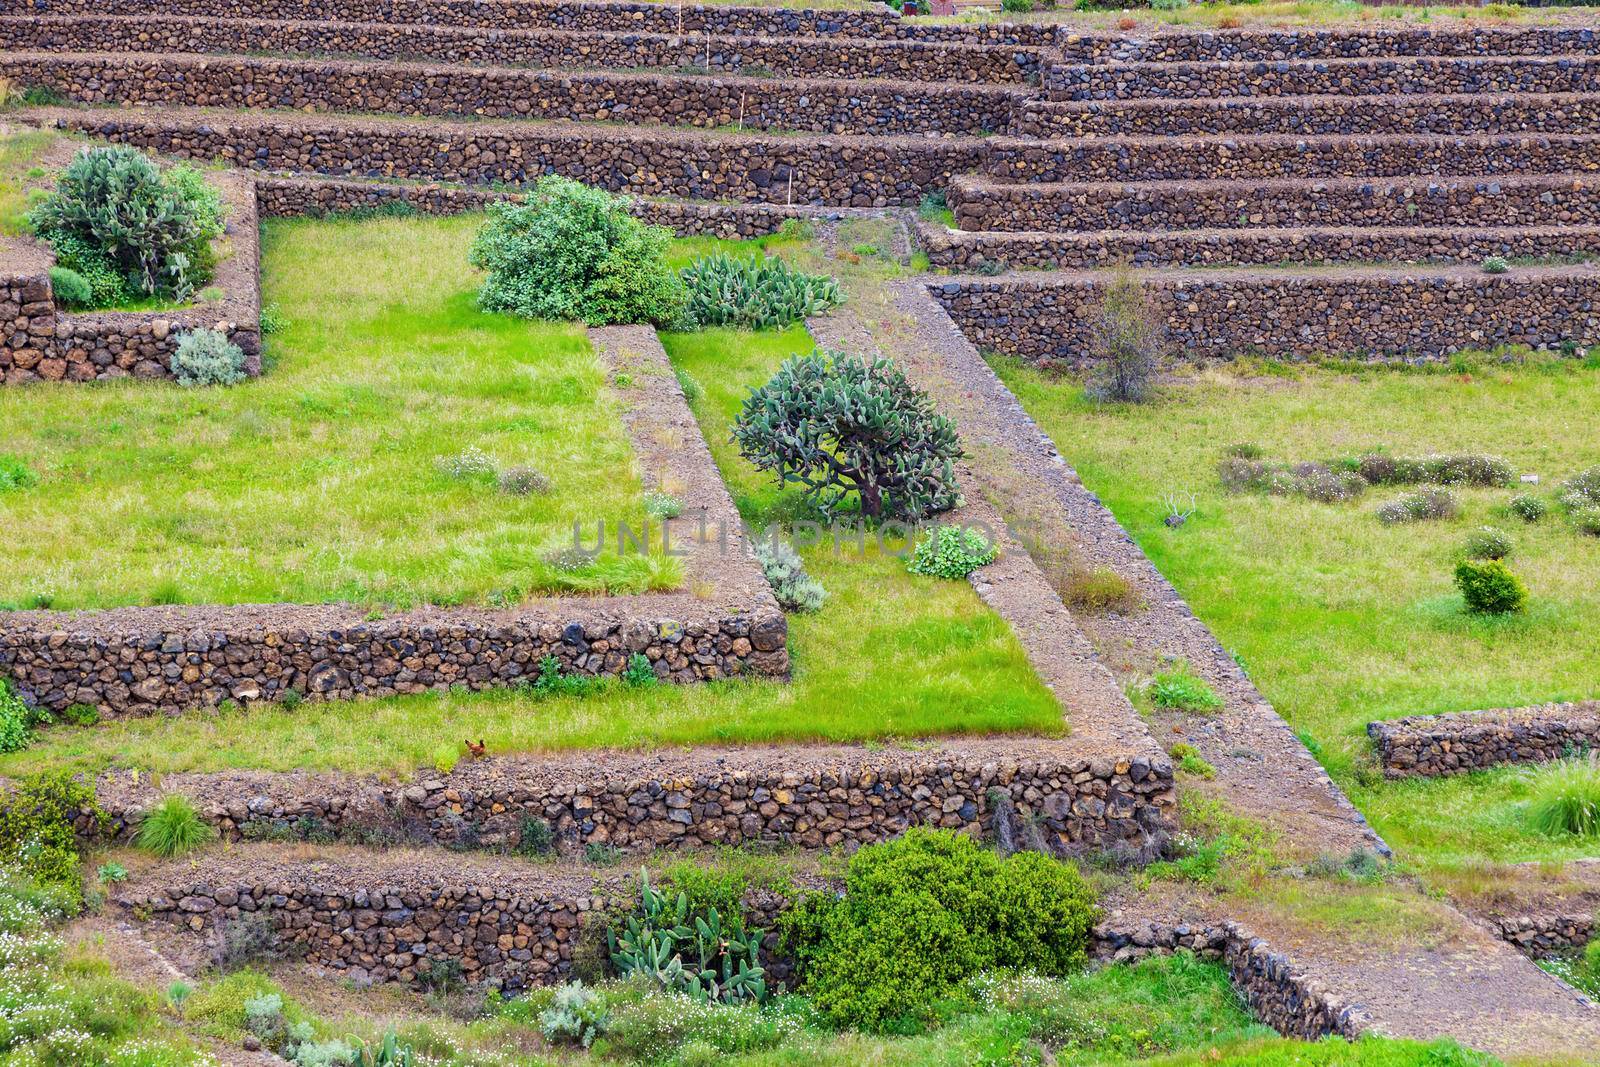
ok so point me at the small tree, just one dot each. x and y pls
(841, 425)
(572, 252)
(1125, 341)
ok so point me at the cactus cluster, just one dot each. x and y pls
(757, 294)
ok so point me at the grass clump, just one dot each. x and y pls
(574, 252)
(15, 474)
(1180, 689)
(1566, 799)
(172, 828)
(1098, 591)
(1191, 762)
(921, 914)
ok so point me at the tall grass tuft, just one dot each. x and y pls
(1566, 800)
(173, 827)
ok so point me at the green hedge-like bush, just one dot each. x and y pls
(757, 294)
(1489, 587)
(17, 719)
(153, 230)
(37, 836)
(841, 426)
(922, 914)
(572, 252)
(951, 552)
(71, 289)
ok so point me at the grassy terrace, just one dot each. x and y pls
(890, 655)
(320, 481)
(1338, 618)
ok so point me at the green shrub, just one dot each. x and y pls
(951, 552)
(572, 252)
(786, 573)
(81, 714)
(107, 287)
(1528, 507)
(1495, 265)
(667, 1028)
(1587, 521)
(272, 320)
(172, 828)
(1425, 506)
(155, 229)
(698, 953)
(1582, 490)
(523, 481)
(576, 1016)
(37, 834)
(1489, 588)
(17, 719)
(921, 914)
(1486, 542)
(1190, 761)
(1566, 799)
(1181, 690)
(1125, 342)
(756, 294)
(71, 289)
(639, 672)
(841, 426)
(206, 357)
(534, 837)
(15, 474)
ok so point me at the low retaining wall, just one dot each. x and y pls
(1547, 199)
(804, 795)
(1358, 312)
(1446, 115)
(1217, 159)
(1335, 42)
(804, 57)
(838, 171)
(297, 196)
(866, 107)
(40, 342)
(967, 252)
(1546, 933)
(1370, 76)
(1432, 745)
(1279, 993)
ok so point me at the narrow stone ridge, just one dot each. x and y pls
(1432, 745)
(817, 106)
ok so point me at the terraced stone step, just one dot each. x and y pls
(1180, 45)
(877, 107)
(1380, 76)
(1092, 250)
(1442, 113)
(806, 57)
(1444, 200)
(1216, 157)
(1361, 312)
(643, 161)
(502, 14)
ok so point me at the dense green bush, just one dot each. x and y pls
(71, 289)
(921, 914)
(1528, 507)
(572, 252)
(107, 286)
(757, 294)
(1566, 799)
(1489, 588)
(951, 552)
(17, 719)
(155, 230)
(37, 836)
(786, 573)
(841, 426)
(172, 828)
(1486, 542)
(698, 953)
(206, 357)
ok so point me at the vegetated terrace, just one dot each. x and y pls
(890, 655)
(1338, 618)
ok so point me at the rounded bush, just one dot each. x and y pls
(206, 357)
(72, 290)
(1487, 543)
(1489, 588)
(1587, 521)
(951, 552)
(572, 252)
(921, 914)
(1528, 507)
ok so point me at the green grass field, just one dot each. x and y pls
(1338, 618)
(891, 655)
(320, 480)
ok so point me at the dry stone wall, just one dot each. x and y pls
(801, 57)
(803, 795)
(872, 107)
(1218, 314)
(1433, 745)
(1546, 933)
(840, 171)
